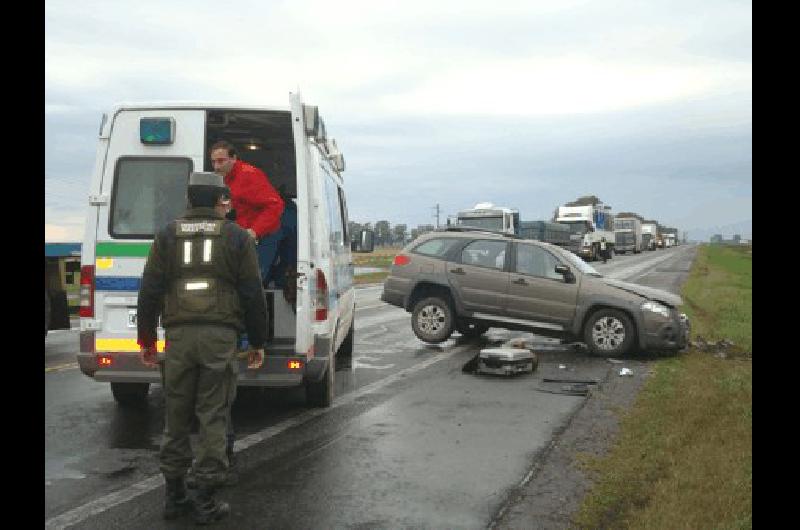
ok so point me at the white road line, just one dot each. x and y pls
(97, 506)
(627, 272)
(60, 367)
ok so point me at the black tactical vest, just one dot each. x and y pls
(201, 281)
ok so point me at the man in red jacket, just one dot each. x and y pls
(258, 205)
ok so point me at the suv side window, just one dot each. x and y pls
(536, 261)
(436, 248)
(485, 253)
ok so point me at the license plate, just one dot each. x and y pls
(131, 318)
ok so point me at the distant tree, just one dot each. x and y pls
(383, 233)
(399, 234)
(354, 228)
(414, 233)
(425, 228)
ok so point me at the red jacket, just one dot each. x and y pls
(257, 204)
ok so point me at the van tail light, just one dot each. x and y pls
(401, 259)
(321, 298)
(87, 291)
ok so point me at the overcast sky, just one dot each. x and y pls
(528, 104)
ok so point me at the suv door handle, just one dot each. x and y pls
(457, 270)
(520, 281)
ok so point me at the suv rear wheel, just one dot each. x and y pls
(470, 329)
(432, 320)
(609, 332)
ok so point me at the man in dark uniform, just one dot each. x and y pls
(202, 276)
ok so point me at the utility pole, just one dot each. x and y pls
(437, 214)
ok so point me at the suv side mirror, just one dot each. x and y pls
(564, 270)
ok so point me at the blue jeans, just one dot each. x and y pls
(281, 244)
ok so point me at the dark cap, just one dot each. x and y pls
(204, 178)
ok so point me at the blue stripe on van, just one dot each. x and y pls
(117, 283)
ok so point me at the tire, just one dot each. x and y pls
(321, 393)
(432, 320)
(471, 329)
(130, 394)
(609, 332)
(346, 349)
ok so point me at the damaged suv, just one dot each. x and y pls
(468, 281)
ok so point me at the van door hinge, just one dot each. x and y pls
(98, 200)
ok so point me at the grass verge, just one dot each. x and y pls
(683, 458)
(370, 277)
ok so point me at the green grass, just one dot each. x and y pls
(370, 277)
(719, 295)
(683, 458)
(380, 257)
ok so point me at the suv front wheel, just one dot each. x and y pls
(432, 320)
(609, 332)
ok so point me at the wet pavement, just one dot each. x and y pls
(411, 440)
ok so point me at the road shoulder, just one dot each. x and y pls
(557, 484)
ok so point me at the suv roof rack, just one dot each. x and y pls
(474, 229)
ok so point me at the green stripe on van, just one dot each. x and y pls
(130, 250)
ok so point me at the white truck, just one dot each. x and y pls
(487, 216)
(649, 234)
(628, 234)
(145, 154)
(590, 223)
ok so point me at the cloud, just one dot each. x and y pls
(524, 103)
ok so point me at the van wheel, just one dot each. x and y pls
(346, 349)
(432, 320)
(609, 332)
(471, 329)
(130, 394)
(320, 393)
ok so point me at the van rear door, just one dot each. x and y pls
(143, 188)
(305, 224)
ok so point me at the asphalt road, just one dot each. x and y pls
(411, 440)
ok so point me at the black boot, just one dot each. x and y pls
(177, 502)
(208, 509)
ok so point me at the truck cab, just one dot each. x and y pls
(487, 216)
(589, 225)
(144, 157)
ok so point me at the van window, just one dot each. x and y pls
(334, 211)
(148, 194)
(345, 222)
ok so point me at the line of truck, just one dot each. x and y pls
(586, 226)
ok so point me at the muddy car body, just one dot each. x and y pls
(469, 281)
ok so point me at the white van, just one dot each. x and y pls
(144, 158)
